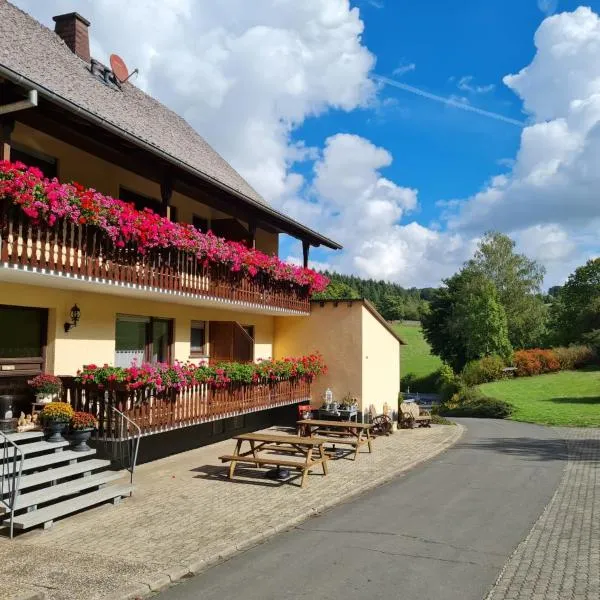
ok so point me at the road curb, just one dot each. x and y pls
(195, 565)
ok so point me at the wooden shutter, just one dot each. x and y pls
(230, 342)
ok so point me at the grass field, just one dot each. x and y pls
(417, 361)
(569, 398)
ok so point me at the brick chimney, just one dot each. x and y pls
(73, 29)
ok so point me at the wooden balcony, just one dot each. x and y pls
(84, 253)
(194, 405)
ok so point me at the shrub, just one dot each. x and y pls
(83, 420)
(44, 383)
(536, 362)
(575, 357)
(56, 412)
(488, 368)
(470, 402)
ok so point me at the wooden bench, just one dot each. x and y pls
(349, 433)
(411, 414)
(262, 442)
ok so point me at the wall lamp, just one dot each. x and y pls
(75, 316)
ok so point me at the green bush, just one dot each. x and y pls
(575, 357)
(447, 383)
(439, 420)
(470, 402)
(484, 370)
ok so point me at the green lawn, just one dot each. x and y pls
(416, 359)
(569, 398)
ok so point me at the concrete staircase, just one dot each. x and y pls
(55, 481)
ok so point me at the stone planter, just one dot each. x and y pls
(53, 431)
(79, 438)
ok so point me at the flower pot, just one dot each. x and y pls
(45, 398)
(53, 431)
(78, 438)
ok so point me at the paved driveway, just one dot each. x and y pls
(442, 532)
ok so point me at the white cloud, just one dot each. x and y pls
(465, 84)
(547, 6)
(550, 194)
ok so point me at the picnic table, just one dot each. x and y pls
(349, 433)
(261, 443)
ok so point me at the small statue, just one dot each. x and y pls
(21, 420)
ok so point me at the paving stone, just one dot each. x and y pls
(560, 558)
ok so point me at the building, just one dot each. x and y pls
(69, 296)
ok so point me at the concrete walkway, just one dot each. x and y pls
(442, 532)
(185, 514)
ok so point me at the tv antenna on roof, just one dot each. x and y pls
(119, 68)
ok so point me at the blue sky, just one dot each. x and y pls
(288, 92)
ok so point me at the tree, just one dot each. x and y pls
(576, 311)
(518, 281)
(337, 290)
(466, 320)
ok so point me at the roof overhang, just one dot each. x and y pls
(185, 176)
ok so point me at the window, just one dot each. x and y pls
(46, 164)
(200, 223)
(142, 339)
(141, 202)
(198, 339)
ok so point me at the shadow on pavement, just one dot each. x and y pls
(549, 449)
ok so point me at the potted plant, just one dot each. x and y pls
(46, 387)
(82, 425)
(55, 418)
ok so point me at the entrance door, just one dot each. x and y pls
(23, 337)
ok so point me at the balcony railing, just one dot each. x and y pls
(191, 406)
(85, 252)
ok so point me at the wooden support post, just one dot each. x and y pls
(305, 250)
(166, 192)
(252, 231)
(7, 125)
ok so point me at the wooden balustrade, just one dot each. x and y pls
(191, 406)
(86, 252)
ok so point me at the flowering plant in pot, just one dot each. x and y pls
(82, 425)
(55, 418)
(46, 387)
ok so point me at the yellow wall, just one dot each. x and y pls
(336, 333)
(93, 340)
(90, 171)
(380, 364)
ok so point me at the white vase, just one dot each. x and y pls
(45, 398)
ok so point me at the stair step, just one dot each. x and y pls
(46, 460)
(58, 473)
(49, 513)
(24, 436)
(61, 490)
(35, 447)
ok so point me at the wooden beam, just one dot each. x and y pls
(7, 125)
(252, 231)
(166, 193)
(305, 251)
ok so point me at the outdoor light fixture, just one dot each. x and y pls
(75, 315)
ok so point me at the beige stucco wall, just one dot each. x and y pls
(87, 169)
(93, 340)
(335, 331)
(380, 364)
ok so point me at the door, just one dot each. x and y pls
(23, 338)
(142, 339)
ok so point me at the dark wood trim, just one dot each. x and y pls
(305, 252)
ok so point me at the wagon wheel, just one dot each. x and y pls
(382, 425)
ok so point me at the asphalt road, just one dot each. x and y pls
(441, 532)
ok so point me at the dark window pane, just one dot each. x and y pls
(160, 341)
(198, 339)
(140, 201)
(130, 341)
(46, 166)
(20, 332)
(200, 223)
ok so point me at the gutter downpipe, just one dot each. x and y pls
(18, 79)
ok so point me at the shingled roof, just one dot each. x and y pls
(31, 50)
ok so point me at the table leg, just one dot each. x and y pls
(306, 466)
(233, 462)
(253, 448)
(369, 440)
(358, 444)
(323, 458)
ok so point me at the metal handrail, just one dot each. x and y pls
(131, 469)
(16, 483)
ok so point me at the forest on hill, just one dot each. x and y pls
(394, 302)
